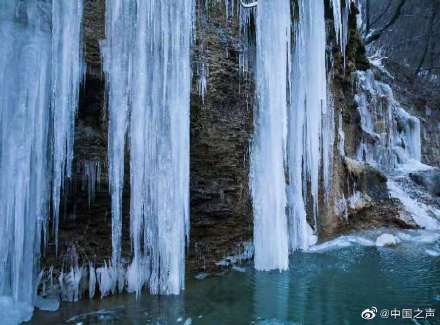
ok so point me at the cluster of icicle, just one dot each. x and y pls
(202, 64)
(41, 68)
(294, 123)
(73, 284)
(341, 12)
(146, 58)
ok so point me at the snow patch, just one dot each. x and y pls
(387, 240)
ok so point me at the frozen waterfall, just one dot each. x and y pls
(391, 136)
(268, 150)
(147, 63)
(40, 71)
(294, 129)
(311, 121)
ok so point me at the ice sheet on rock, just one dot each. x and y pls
(391, 135)
(425, 216)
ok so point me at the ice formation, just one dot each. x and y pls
(391, 142)
(117, 66)
(92, 280)
(147, 62)
(391, 135)
(202, 64)
(311, 121)
(70, 284)
(67, 72)
(91, 178)
(423, 215)
(268, 183)
(387, 240)
(40, 71)
(294, 128)
(341, 12)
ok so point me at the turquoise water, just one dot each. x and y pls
(326, 287)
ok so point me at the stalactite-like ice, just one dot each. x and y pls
(67, 72)
(294, 131)
(268, 183)
(246, 58)
(91, 178)
(341, 12)
(311, 124)
(40, 72)
(151, 102)
(117, 67)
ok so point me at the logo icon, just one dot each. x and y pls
(369, 313)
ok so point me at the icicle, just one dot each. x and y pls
(340, 18)
(107, 283)
(203, 80)
(202, 65)
(247, 43)
(341, 136)
(70, 284)
(91, 178)
(311, 125)
(156, 40)
(117, 67)
(40, 72)
(268, 183)
(92, 281)
(67, 74)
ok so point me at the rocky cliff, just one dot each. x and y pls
(221, 129)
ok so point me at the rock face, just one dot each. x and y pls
(221, 125)
(429, 179)
(221, 129)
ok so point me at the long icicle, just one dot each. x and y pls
(268, 182)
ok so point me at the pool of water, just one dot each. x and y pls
(331, 285)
